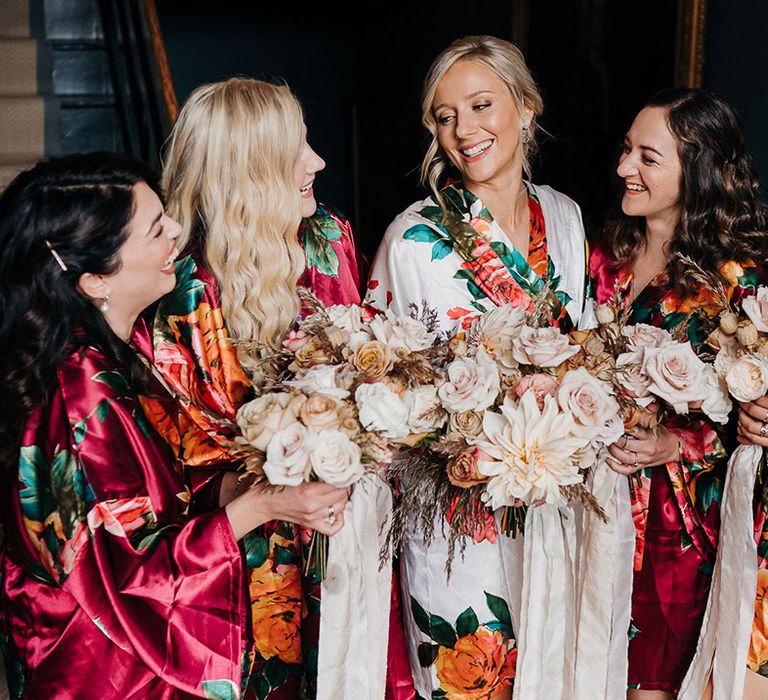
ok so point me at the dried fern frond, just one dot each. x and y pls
(430, 499)
(310, 300)
(581, 493)
(412, 371)
(706, 280)
(426, 315)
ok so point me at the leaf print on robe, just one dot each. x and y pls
(471, 660)
(493, 270)
(316, 234)
(55, 500)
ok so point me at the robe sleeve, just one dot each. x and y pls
(698, 476)
(103, 506)
(194, 353)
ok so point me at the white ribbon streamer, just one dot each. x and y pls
(355, 600)
(605, 590)
(548, 611)
(724, 639)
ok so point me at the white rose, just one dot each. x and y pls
(717, 405)
(381, 327)
(287, 461)
(468, 424)
(356, 339)
(724, 359)
(335, 459)
(382, 410)
(410, 334)
(348, 318)
(642, 335)
(595, 413)
(543, 347)
(676, 374)
(747, 378)
(261, 418)
(320, 379)
(425, 412)
(756, 307)
(630, 376)
(472, 384)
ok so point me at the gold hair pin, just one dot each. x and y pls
(56, 256)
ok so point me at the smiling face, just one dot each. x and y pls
(146, 271)
(479, 125)
(651, 169)
(307, 165)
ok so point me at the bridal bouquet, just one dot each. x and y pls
(347, 386)
(740, 344)
(528, 407)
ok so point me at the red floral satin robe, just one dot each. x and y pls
(193, 351)
(677, 507)
(107, 588)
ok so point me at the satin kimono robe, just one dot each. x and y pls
(676, 509)
(461, 267)
(107, 588)
(757, 659)
(192, 349)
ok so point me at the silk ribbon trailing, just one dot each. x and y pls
(724, 639)
(355, 600)
(546, 628)
(604, 590)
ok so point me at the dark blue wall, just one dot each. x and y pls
(359, 79)
(736, 66)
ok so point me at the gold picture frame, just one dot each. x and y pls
(689, 43)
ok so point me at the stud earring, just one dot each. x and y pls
(104, 306)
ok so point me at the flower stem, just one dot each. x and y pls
(317, 558)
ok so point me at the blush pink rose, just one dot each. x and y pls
(540, 385)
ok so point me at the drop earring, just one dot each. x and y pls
(104, 306)
(526, 134)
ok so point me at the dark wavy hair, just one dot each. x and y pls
(722, 217)
(81, 205)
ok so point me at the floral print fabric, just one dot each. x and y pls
(101, 568)
(192, 349)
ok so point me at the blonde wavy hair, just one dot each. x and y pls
(508, 63)
(229, 181)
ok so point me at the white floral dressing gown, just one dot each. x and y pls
(460, 632)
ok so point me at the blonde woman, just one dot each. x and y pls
(484, 238)
(239, 178)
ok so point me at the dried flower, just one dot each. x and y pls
(604, 314)
(729, 323)
(372, 359)
(747, 334)
(462, 469)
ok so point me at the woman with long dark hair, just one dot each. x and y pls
(690, 233)
(108, 587)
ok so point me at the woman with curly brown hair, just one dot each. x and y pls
(691, 231)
